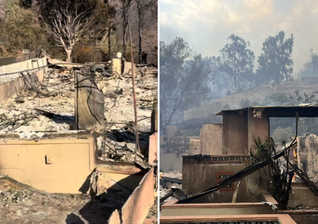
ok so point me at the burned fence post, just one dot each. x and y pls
(89, 104)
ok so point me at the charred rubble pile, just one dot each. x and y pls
(283, 169)
(20, 202)
(52, 106)
(79, 99)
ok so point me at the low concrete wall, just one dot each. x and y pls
(125, 175)
(9, 88)
(11, 84)
(302, 195)
(302, 216)
(137, 206)
(282, 219)
(51, 165)
(215, 209)
(223, 212)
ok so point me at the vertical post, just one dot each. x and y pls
(236, 192)
(76, 98)
(109, 41)
(134, 93)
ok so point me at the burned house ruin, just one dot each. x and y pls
(67, 143)
(220, 180)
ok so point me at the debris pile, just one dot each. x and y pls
(31, 114)
(170, 186)
(20, 203)
(120, 145)
(49, 107)
(12, 196)
(301, 207)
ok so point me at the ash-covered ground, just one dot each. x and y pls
(49, 108)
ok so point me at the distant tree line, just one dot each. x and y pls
(184, 79)
(188, 80)
(62, 25)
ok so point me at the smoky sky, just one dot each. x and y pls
(206, 24)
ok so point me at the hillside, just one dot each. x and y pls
(267, 95)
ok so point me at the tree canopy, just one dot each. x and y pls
(275, 64)
(183, 79)
(310, 69)
(237, 61)
(20, 28)
(70, 22)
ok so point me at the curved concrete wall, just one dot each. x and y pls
(13, 83)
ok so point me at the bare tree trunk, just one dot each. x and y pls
(109, 41)
(140, 42)
(141, 13)
(124, 40)
(68, 53)
(125, 22)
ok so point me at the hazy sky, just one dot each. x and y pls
(205, 24)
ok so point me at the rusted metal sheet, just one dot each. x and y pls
(137, 206)
(89, 104)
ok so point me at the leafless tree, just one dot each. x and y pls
(69, 22)
(67, 29)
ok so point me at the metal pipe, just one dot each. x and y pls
(134, 94)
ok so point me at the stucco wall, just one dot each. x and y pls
(11, 84)
(199, 174)
(258, 126)
(51, 165)
(211, 139)
(138, 204)
(234, 133)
